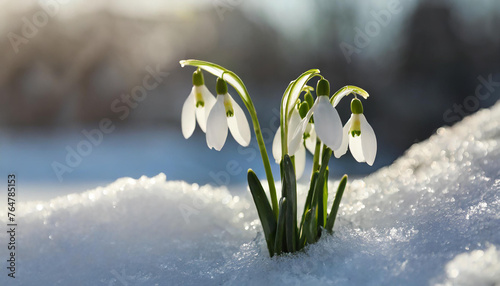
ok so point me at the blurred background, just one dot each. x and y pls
(91, 91)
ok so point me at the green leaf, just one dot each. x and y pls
(346, 90)
(280, 230)
(318, 187)
(336, 203)
(290, 186)
(307, 205)
(317, 201)
(282, 174)
(310, 227)
(266, 215)
(322, 202)
(302, 239)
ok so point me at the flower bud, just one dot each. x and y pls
(303, 109)
(309, 99)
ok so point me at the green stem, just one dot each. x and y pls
(240, 87)
(318, 187)
(316, 157)
(265, 159)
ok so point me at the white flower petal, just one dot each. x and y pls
(356, 149)
(298, 133)
(300, 161)
(217, 125)
(311, 140)
(345, 140)
(368, 140)
(188, 121)
(238, 124)
(208, 97)
(201, 117)
(293, 122)
(277, 146)
(327, 123)
(203, 112)
(296, 140)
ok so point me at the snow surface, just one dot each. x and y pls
(433, 217)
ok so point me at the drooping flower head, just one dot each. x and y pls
(327, 122)
(359, 135)
(197, 106)
(226, 113)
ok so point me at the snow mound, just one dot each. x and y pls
(475, 268)
(432, 217)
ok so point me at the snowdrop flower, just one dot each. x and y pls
(226, 113)
(197, 106)
(359, 135)
(327, 122)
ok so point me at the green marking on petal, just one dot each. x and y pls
(198, 97)
(355, 129)
(355, 133)
(228, 106)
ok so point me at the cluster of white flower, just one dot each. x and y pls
(305, 125)
(214, 115)
(327, 126)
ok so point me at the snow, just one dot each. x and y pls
(432, 217)
(479, 267)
